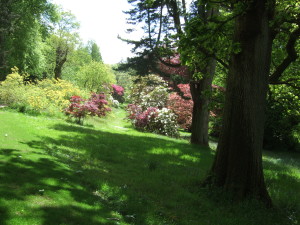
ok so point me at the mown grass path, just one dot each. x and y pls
(54, 172)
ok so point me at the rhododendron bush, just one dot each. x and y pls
(160, 121)
(149, 91)
(79, 108)
(118, 93)
(183, 108)
(148, 111)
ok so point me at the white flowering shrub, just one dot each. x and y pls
(115, 103)
(165, 122)
(149, 91)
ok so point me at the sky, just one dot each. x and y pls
(102, 21)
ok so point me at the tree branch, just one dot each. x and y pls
(291, 57)
(288, 82)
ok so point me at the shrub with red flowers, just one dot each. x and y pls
(80, 108)
(183, 108)
(118, 93)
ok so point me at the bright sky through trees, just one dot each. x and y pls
(102, 21)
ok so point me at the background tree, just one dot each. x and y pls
(76, 59)
(94, 51)
(96, 77)
(283, 117)
(23, 25)
(62, 41)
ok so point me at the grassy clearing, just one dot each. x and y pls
(54, 172)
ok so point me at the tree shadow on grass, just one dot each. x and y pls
(3, 215)
(283, 182)
(41, 186)
(149, 171)
(137, 177)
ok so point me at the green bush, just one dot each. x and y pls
(282, 127)
(48, 96)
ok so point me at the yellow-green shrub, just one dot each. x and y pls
(48, 96)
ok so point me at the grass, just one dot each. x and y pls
(54, 172)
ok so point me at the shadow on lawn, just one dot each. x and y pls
(138, 177)
(144, 169)
(3, 215)
(24, 179)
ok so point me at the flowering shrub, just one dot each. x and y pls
(149, 91)
(118, 93)
(165, 123)
(80, 108)
(161, 121)
(48, 96)
(118, 90)
(181, 107)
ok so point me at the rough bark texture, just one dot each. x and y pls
(199, 91)
(238, 162)
(61, 58)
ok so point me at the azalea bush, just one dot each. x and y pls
(118, 93)
(80, 108)
(48, 96)
(160, 121)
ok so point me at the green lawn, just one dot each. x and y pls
(54, 172)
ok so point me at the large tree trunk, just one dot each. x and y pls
(200, 94)
(238, 162)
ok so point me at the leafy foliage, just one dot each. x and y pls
(80, 108)
(23, 26)
(48, 96)
(283, 118)
(94, 51)
(96, 77)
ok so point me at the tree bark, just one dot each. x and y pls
(200, 91)
(61, 58)
(238, 162)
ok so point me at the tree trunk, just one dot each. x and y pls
(200, 91)
(238, 163)
(61, 58)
